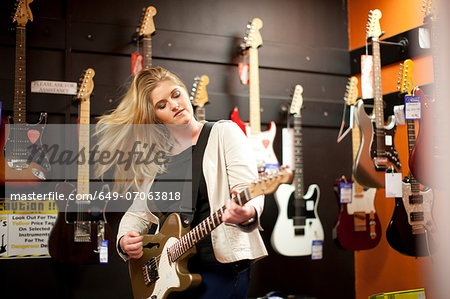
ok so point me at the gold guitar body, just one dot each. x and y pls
(163, 277)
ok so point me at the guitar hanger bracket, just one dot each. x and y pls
(402, 43)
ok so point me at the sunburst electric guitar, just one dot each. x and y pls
(377, 153)
(412, 230)
(357, 225)
(23, 163)
(163, 267)
(199, 96)
(298, 223)
(261, 142)
(79, 229)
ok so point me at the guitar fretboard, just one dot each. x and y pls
(200, 113)
(415, 186)
(147, 49)
(298, 158)
(203, 229)
(356, 141)
(255, 112)
(378, 98)
(20, 77)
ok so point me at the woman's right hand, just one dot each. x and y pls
(131, 244)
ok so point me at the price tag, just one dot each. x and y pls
(137, 63)
(287, 147)
(244, 73)
(310, 205)
(345, 192)
(317, 250)
(367, 76)
(393, 184)
(104, 252)
(399, 112)
(413, 107)
(388, 140)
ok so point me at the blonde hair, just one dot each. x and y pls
(124, 129)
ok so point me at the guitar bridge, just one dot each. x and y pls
(359, 222)
(150, 271)
(82, 232)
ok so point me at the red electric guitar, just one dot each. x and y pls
(261, 142)
(357, 225)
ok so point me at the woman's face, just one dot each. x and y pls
(171, 103)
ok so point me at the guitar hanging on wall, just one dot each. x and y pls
(76, 236)
(145, 31)
(412, 230)
(23, 163)
(427, 152)
(261, 142)
(377, 153)
(298, 224)
(357, 225)
(163, 267)
(199, 96)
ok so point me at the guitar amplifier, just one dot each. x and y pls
(408, 294)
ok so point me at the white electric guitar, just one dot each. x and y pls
(298, 224)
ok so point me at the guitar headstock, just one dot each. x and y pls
(297, 100)
(405, 83)
(429, 8)
(23, 12)
(147, 26)
(373, 25)
(199, 96)
(87, 85)
(253, 37)
(269, 182)
(351, 91)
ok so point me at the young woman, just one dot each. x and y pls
(157, 96)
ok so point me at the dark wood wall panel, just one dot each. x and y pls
(304, 42)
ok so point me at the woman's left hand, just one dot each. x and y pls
(237, 214)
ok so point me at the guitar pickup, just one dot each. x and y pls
(299, 231)
(415, 199)
(359, 222)
(380, 163)
(150, 271)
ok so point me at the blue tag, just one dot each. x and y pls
(0, 109)
(345, 192)
(413, 107)
(317, 250)
(271, 167)
(104, 252)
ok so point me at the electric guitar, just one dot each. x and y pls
(357, 225)
(145, 31)
(77, 234)
(298, 224)
(412, 230)
(377, 153)
(428, 151)
(3, 247)
(163, 267)
(199, 96)
(23, 163)
(261, 142)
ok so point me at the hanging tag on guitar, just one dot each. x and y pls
(244, 73)
(104, 252)
(413, 107)
(393, 184)
(317, 250)
(367, 76)
(287, 147)
(345, 189)
(137, 63)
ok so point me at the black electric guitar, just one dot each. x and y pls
(377, 153)
(199, 96)
(412, 230)
(23, 163)
(261, 142)
(145, 31)
(163, 267)
(80, 228)
(357, 226)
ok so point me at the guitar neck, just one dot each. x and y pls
(378, 98)
(147, 49)
(356, 141)
(298, 158)
(415, 186)
(255, 112)
(83, 146)
(203, 229)
(200, 113)
(20, 77)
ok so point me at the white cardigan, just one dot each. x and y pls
(228, 164)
